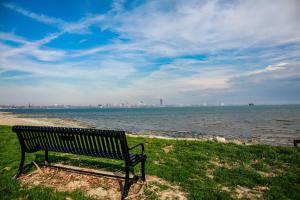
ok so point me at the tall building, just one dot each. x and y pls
(161, 103)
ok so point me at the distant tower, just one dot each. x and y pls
(161, 102)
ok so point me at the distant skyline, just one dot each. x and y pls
(182, 51)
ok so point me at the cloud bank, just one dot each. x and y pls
(187, 52)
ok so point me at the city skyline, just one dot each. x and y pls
(184, 52)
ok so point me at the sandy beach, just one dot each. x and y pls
(7, 118)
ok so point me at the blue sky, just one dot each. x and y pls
(186, 52)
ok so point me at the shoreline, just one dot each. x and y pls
(11, 119)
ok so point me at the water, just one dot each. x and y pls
(269, 124)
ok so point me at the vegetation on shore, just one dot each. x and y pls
(203, 169)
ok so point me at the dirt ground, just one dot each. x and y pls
(100, 187)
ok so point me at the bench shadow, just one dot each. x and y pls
(82, 162)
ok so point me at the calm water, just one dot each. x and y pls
(270, 124)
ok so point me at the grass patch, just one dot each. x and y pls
(182, 163)
(239, 176)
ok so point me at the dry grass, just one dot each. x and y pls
(168, 148)
(102, 187)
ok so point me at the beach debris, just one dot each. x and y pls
(238, 142)
(220, 139)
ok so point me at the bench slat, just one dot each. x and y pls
(118, 149)
(100, 147)
(28, 140)
(111, 144)
(93, 142)
(95, 145)
(44, 139)
(53, 142)
(55, 139)
(108, 146)
(87, 143)
(78, 144)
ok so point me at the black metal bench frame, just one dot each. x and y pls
(91, 142)
(296, 142)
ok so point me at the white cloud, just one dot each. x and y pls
(39, 17)
(34, 48)
(279, 72)
(279, 66)
(30, 48)
(190, 27)
(205, 26)
(11, 37)
(239, 39)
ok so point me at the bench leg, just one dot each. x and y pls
(127, 183)
(21, 164)
(46, 158)
(143, 169)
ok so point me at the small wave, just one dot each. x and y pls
(285, 120)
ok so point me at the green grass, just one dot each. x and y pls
(201, 169)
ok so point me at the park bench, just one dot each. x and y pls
(91, 142)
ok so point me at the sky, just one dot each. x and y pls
(187, 52)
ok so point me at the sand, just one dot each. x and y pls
(7, 118)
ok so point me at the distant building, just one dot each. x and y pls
(161, 102)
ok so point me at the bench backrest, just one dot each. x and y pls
(92, 142)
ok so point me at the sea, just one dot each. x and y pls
(269, 124)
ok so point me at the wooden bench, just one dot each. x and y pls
(91, 142)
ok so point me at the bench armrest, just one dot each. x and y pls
(141, 145)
